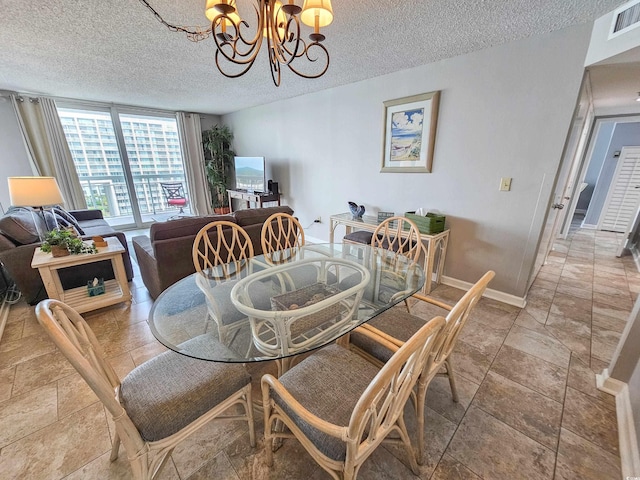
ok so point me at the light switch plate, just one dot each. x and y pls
(505, 184)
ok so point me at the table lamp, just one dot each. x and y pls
(35, 192)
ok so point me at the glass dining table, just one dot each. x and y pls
(276, 306)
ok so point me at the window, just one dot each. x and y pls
(124, 185)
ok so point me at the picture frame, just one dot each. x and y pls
(409, 133)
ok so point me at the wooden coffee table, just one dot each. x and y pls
(116, 290)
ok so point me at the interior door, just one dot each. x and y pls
(567, 175)
(623, 198)
(572, 187)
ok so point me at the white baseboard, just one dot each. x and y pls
(636, 256)
(589, 226)
(507, 298)
(629, 455)
(308, 239)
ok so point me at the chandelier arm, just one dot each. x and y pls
(238, 56)
(233, 75)
(306, 53)
(274, 65)
(285, 54)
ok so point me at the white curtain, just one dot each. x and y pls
(47, 146)
(190, 132)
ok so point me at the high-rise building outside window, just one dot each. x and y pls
(124, 185)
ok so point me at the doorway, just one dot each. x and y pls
(614, 92)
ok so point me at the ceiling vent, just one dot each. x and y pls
(625, 18)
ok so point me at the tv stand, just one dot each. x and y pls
(257, 198)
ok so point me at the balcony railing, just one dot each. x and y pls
(109, 193)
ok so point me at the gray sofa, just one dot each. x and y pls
(19, 239)
(165, 255)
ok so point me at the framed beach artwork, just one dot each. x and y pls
(410, 133)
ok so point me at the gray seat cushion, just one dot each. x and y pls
(259, 293)
(170, 391)
(362, 236)
(395, 322)
(329, 383)
(359, 236)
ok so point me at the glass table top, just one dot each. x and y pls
(287, 303)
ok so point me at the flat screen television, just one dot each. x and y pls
(250, 174)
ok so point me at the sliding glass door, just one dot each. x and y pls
(122, 160)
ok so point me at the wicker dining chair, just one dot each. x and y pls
(400, 235)
(397, 234)
(223, 254)
(221, 259)
(281, 237)
(159, 403)
(341, 407)
(397, 326)
(281, 232)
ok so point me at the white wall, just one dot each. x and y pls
(13, 155)
(504, 112)
(602, 48)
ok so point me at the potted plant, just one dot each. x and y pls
(61, 242)
(218, 161)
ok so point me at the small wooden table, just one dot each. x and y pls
(434, 246)
(117, 290)
(257, 198)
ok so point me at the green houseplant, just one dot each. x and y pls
(61, 242)
(218, 161)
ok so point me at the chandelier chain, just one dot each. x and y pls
(195, 34)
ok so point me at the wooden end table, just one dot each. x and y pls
(116, 290)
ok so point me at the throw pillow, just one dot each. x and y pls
(70, 219)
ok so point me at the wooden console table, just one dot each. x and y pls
(257, 198)
(434, 246)
(116, 291)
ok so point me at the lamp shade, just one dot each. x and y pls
(320, 8)
(34, 191)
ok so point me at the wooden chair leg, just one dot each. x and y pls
(404, 436)
(268, 437)
(248, 405)
(115, 447)
(420, 403)
(406, 304)
(452, 380)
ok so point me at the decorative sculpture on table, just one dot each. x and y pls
(356, 210)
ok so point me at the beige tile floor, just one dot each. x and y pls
(528, 406)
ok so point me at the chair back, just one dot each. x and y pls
(281, 232)
(77, 342)
(377, 410)
(402, 237)
(224, 254)
(458, 316)
(173, 190)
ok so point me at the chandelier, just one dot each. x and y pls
(277, 25)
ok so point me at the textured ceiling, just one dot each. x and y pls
(116, 51)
